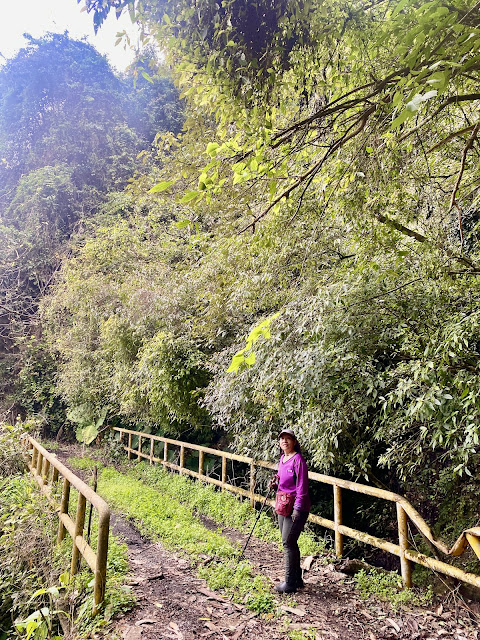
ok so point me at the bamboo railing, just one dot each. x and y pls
(404, 510)
(47, 469)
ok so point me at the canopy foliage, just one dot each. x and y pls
(294, 83)
(68, 135)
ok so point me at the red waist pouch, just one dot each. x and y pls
(284, 503)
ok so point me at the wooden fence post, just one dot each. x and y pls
(182, 458)
(79, 523)
(39, 464)
(101, 564)
(224, 472)
(63, 509)
(252, 485)
(201, 460)
(405, 565)
(165, 453)
(46, 470)
(34, 457)
(337, 509)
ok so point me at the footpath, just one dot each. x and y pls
(174, 603)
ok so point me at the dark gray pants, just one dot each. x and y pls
(290, 531)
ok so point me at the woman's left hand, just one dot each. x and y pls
(295, 515)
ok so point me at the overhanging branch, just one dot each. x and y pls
(310, 173)
(421, 238)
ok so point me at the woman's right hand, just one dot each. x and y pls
(273, 484)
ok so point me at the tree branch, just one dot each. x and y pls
(316, 167)
(469, 97)
(339, 105)
(465, 272)
(420, 238)
(460, 132)
(385, 293)
(466, 149)
(400, 227)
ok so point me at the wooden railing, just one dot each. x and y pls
(47, 471)
(404, 510)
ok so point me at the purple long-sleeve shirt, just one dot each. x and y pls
(293, 478)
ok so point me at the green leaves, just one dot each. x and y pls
(88, 425)
(240, 359)
(189, 197)
(212, 148)
(182, 224)
(88, 434)
(412, 107)
(400, 6)
(161, 186)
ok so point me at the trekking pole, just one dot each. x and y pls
(255, 523)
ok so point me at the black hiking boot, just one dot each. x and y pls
(284, 587)
(291, 573)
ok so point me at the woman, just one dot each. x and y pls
(292, 479)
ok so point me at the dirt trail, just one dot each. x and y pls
(173, 603)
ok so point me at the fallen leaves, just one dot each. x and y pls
(145, 621)
(211, 626)
(295, 610)
(176, 630)
(239, 631)
(307, 562)
(394, 624)
(210, 594)
(131, 633)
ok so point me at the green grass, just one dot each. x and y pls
(309, 634)
(387, 586)
(84, 464)
(224, 508)
(49, 445)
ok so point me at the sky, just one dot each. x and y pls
(37, 17)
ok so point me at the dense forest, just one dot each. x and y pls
(271, 221)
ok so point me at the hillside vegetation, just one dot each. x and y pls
(302, 253)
